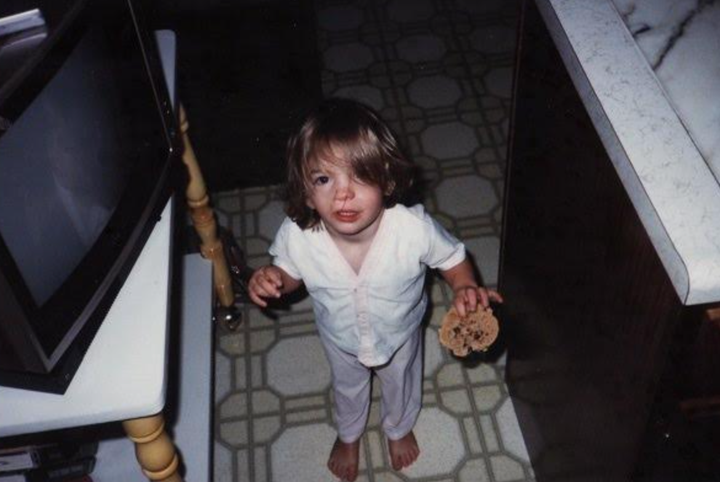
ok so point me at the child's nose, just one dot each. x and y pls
(345, 190)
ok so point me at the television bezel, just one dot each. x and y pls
(48, 365)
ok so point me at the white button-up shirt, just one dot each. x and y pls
(371, 313)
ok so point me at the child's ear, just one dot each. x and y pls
(309, 203)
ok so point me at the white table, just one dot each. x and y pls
(123, 373)
(192, 432)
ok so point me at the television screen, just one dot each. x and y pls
(78, 174)
(85, 149)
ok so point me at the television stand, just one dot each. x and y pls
(123, 375)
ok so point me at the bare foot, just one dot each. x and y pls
(404, 451)
(344, 459)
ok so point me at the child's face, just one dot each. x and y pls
(349, 207)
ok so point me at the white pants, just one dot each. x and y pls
(401, 387)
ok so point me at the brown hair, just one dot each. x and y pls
(367, 144)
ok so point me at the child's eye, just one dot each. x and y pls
(320, 180)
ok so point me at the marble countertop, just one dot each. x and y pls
(647, 73)
(681, 41)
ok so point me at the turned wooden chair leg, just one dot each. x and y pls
(154, 450)
(203, 219)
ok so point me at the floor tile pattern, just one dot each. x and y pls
(440, 72)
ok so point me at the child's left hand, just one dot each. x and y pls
(467, 299)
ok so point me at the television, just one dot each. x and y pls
(88, 155)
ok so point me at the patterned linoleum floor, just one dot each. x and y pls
(440, 72)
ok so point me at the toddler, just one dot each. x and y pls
(362, 257)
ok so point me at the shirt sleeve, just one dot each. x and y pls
(445, 251)
(280, 250)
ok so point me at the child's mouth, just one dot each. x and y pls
(347, 216)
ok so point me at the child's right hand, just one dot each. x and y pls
(266, 282)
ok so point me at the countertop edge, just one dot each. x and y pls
(671, 186)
